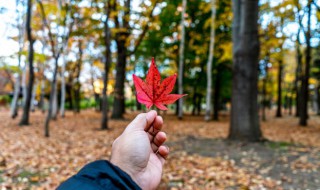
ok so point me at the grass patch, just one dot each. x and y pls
(33, 178)
(279, 145)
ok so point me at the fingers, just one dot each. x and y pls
(155, 128)
(158, 140)
(143, 121)
(163, 153)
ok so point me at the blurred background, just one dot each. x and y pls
(251, 70)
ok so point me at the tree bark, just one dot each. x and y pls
(181, 59)
(209, 64)
(118, 103)
(107, 41)
(298, 74)
(279, 97)
(121, 38)
(26, 109)
(17, 85)
(24, 83)
(33, 97)
(77, 86)
(194, 100)
(290, 104)
(63, 88)
(244, 107)
(52, 93)
(305, 78)
(14, 103)
(216, 98)
(42, 94)
(55, 101)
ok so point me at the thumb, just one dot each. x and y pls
(143, 121)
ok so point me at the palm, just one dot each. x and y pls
(140, 152)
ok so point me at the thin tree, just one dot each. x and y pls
(298, 73)
(209, 64)
(304, 96)
(107, 41)
(77, 86)
(279, 97)
(246, 48)
(56, 52)
(280, 73)
(26, 109)
(17, 85)
(63, 87)
(181, 58)
(216, 96)
(63, 70)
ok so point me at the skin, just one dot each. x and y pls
(139, 150)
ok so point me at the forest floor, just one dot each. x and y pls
(200, 156)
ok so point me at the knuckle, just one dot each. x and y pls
(140, 116)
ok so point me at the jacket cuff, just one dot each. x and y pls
(103, 175)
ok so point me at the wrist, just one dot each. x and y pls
(125, 169)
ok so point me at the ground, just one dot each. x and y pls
(200, 158)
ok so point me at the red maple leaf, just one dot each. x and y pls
(155, 92)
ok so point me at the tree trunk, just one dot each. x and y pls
(290, 104)
(118, 103)
(107, 40)
(42, 103)
(298, 74)
(14, 103)
(71, 96)
(52, 93)
(216, 98)
(279, 98)
(77, 86)
(33, 97)
(24, 84)
(209, 64)
(121, 39)
(194, 100)
(77, 97)
(305, 78)
(63, 88)
(181, 59)
(244, 107)
(55, 101)
(26, 109)
(200, 96)
(264, 89)
(17, 85)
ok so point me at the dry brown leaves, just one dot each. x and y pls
(28, 160)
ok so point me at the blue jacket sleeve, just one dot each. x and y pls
(99, 175)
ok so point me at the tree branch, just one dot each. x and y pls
(45, 23)
(144, 31)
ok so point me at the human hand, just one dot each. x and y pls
(139, 150)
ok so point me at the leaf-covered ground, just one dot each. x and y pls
(200, 158)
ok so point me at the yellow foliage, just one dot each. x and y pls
(313, 81)
(227, 51)
(98, 87)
